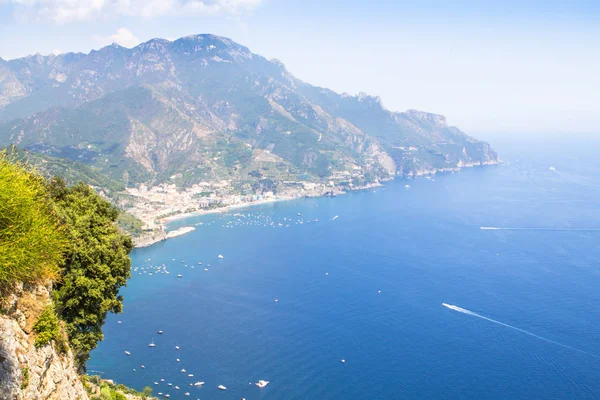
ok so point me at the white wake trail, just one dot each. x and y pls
(496, 228)
(474, 314)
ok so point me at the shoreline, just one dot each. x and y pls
(238, 206)
(156, 237)
(224, 209)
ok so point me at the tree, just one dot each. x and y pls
(96, 264)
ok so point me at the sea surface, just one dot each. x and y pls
(365, 284)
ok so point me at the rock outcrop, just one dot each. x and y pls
(28, 372)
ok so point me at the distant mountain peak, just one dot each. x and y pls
(362, 96)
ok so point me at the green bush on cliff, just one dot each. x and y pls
(96, 264)
(69, 235)
(46, 327)
(106, 393)
(31, 240)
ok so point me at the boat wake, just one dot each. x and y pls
(474, 314)
(495, 228)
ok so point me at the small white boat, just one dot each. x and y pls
(187, 393)
(176, 387)
(407, 186)
(220, 256)
(143, 367)
(343, 361)
(191, 375)
(222, 387)
(262, 384)
(183, 370)
(156, 383)
(118, 322)
(178, 360)
(160, 332)
(179, 276)
(128, 353)
(198, 383)
(152, 344)
(176, 347)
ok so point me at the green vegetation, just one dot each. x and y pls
(46, 327)
(68, 234)
(130, 224)
(24, 378)
(96, 264)
(31, 239)
(147, 391)
(71, 171)
(110, 391)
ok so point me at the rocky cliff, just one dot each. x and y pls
(28, 372)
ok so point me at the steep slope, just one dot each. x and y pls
(204, 107)
(26, 371)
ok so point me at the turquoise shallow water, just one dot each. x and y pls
(367, 287)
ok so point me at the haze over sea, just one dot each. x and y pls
(419, 246)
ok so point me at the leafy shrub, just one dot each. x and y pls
(31, 240)
(24, 378)
(46, 327)
(106, 393)
(147, 391)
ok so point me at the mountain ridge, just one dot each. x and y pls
(210, 106)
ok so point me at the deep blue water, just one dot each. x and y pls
(419, 246)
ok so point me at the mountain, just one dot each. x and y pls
(72, 172)
(206, 108)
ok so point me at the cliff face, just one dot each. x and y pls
(27, 372)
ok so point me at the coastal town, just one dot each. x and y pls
(155, 206)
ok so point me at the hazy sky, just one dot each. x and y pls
(489, 66)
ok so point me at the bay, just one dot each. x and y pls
(288, 301)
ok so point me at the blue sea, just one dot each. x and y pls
(290, 299)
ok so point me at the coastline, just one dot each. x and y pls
(161, 235)
(225, 209)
